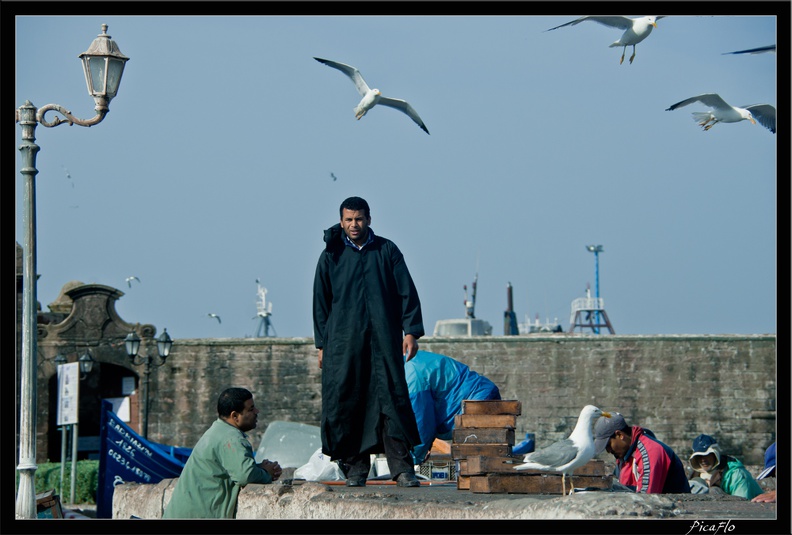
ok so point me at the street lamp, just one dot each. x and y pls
(132, 343)
(596, 249)
(103, 64)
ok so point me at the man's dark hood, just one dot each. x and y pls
(332, 234)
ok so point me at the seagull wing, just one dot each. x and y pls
(713, 100)
(614, 21)
(555, 455)
(404, 107)
(350, 71)
(765, 114)
(758, 50)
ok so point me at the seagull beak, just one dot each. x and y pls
(753, 121)
(654, 24)
(606, 414)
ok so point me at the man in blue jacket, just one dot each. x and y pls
(437, 386)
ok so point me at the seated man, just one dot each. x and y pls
(437, 386)
(721, 473)
(221, 463)
(643, 463)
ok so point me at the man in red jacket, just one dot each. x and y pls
(643, 463)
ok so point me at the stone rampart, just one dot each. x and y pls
(677, 385)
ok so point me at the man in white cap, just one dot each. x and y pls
(721, 473)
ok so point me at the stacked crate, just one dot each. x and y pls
(485, 428)
(482, 448)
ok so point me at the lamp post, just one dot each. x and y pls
(596, 249)
(103, 64)
(132, 343)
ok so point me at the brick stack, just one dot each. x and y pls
(482, 447)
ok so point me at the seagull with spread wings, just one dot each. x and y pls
(758, 50)
(722, 112)
(130, 279)
(372, 97)
(570, 453)
(635, 30)
(215, 316)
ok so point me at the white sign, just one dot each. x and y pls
(120, 407)
(68, 393)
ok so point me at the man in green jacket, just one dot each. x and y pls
(221, 463)
(719, 472)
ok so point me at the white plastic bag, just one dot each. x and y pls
(319, 468)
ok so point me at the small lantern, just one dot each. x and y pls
(132, 343)
(164, 344)
(86, 362)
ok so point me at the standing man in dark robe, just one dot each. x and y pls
(367, 320)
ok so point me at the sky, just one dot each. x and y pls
(215, 165)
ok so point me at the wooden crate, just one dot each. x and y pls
(471, 406)
(480, 465)
(540, 483)
(463, 451)
(485, 420)
(48, 505)
(483, 435)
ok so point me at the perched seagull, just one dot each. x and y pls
(130, 279)
(635, 30)
(566, 455)
(722, 112)
(372, 97)
(759, 50)
(215, 316)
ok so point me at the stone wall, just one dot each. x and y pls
(677, 386)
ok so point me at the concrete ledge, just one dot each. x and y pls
(316, 501)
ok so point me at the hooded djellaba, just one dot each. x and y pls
(364, 301)
(715, 470)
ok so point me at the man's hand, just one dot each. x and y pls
(767, 497)
(320, 358)
(409, 346)
(272, 468)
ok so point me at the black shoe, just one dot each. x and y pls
(356, 482)
(407, 479)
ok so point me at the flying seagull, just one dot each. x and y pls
(566, 455)
(68, 174)
(722, 112)
(215, 316)
(759, 50)
(334, 177)
(635, 30)
(130, 279)
(372, 97)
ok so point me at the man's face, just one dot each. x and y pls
(707, 462)
(247, 419)
(618, 444)
(355, 225)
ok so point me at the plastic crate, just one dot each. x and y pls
(439, 470)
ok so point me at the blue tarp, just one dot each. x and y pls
(125, 457)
